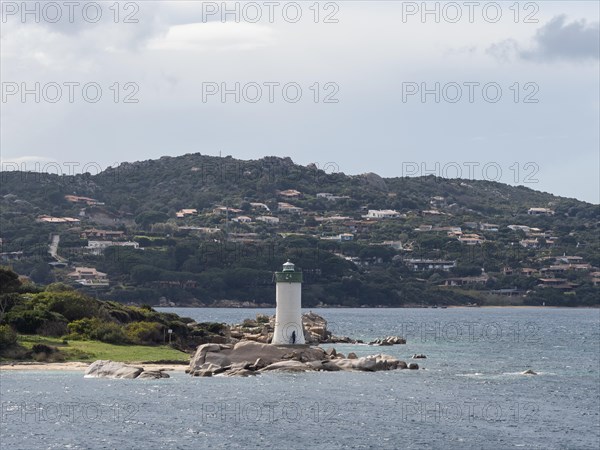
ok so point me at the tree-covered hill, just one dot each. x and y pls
(209, 256)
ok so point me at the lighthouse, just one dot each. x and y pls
(288, 316)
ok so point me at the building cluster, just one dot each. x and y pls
(247, 224)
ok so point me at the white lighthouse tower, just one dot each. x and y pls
(288, 316)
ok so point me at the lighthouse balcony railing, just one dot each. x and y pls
(289, 277)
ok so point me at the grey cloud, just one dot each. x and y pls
(134, 26)
(557, 40)
(560, 40)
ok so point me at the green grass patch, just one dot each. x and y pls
(93, 350)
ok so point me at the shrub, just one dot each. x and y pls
(109, 332)
(43, 348)
(96, 329)
(8, 336)
(213, 327)
(29, 321)
(72, 305)
(52, 328)
(144, 332)
(262, 318)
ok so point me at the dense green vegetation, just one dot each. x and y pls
(194, 267)
(59, 323)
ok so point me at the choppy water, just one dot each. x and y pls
(472, 394)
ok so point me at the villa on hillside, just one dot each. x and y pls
(342, 237)
(422, 265)
(488, 227)
(569, 259)
(529, 243)
(51, 219)
(557, 283)
(332, 218)
(562, 268)
(186, 212)
(256, 205)
(463, 281)
(286, 207)
(471, 239)
(85, 200)
(242, 219)
(88, 276)
(331, 197)
(104, 234)
(540, 212)
(268, 219)
(382, 214)
(98, 247)
(225, 210)
(290, 193)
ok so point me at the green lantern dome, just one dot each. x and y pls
(288, 274)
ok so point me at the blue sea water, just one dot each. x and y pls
(470, 395)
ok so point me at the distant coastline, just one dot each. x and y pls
(388, 307)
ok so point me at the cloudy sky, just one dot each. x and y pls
(494, 92)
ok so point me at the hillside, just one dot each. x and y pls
(201, 230)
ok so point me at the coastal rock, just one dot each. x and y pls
(212, 360)
(241, 365)
(419, 356)
(366, 363)
(153, 374)
(390, 340)
(251, 351)
(288, 366)
(112, 369)
(528, 372)
(240, 373)
(261, 330)
(259, 364)
(326, 366)
(413, 366)
(210, 367)
(218, 359)
(200, 355)
(312, 354)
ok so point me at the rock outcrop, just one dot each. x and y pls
(113, 369)
(250, 357)
(261, 330)
(390, 340)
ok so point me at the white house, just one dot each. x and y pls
(286, 207)
(98, 247)
(186, 212)
(540, 212)
(422, 265)
(242, 219)
(88, 276)
(268, 219)
(382, 214)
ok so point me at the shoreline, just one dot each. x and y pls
(80, 366)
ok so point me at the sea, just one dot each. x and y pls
(469, 392)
